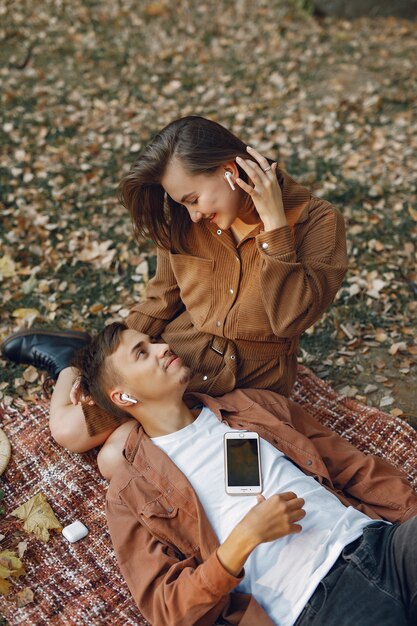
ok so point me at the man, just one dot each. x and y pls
(191, 554)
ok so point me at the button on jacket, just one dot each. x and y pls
(164, 543)
(234, 312)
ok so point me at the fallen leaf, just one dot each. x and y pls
(412, 212)
(4, 587)
(96, 308)
(386, 401)
(21, 548)
(25, 313)
(30, 374)
(10, 565)
(396, 347)
(5, 448)
(38, 517)
(7, 267)
(24, 597)
(348, 391)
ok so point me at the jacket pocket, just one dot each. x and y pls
(160, 507)
(167, 523)
(194, 277)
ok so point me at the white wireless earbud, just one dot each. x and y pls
(127, 398)
(228, 176)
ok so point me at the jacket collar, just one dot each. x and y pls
(295, 197)
(239, 402)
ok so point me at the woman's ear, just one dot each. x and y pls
(231, 166)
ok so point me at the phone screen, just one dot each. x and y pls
(242, 462)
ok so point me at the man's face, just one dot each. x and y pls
(148, 371)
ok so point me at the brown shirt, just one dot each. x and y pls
(164, 543)
(234, 312)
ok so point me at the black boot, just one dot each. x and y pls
(50, 350)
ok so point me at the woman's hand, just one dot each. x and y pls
(265, 192)
(75, 394)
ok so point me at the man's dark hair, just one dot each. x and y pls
(96, 372)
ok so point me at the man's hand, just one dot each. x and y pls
(268, 520)
(273, 518)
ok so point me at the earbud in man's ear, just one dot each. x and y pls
(228, 176)
(127, 398)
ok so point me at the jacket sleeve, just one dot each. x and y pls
(297, 285)
(168, 588)
(162, 303)
(368, 478)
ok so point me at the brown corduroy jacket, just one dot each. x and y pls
(164, 543)
(234, 312)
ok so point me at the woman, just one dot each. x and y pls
(247, 259)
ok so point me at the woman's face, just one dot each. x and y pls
(205, 196)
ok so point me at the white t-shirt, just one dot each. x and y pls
(281, 575)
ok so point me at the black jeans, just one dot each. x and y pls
(373, 582)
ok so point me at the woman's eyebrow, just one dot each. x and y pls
(187, 195)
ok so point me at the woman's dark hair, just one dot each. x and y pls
(96, 373)
(201, 146)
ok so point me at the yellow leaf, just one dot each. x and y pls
(38, 517)
(23, 313)
(4, 587)
(10, 565)
(411, 211)
(7, 267)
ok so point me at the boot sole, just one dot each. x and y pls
(72, 334)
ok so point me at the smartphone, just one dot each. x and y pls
(242, 460)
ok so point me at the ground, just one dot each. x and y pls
(85, 84)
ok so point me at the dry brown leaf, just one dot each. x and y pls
(96, 308)
(21, 548)
(24, 597)
(38, 517)
(7, 267)
(412, 212)
(4, 586)
(401, 346)
(5, 451)
(30, 374)
(10, 565)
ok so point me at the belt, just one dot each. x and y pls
(218, 344)
(255, 350)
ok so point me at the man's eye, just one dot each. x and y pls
(193, 202)
(140, 354)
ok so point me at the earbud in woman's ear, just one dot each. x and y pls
(228, 176)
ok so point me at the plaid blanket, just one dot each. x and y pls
(80, 583)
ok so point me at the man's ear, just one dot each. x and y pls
(122, 399)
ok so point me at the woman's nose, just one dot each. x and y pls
(196, 216)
